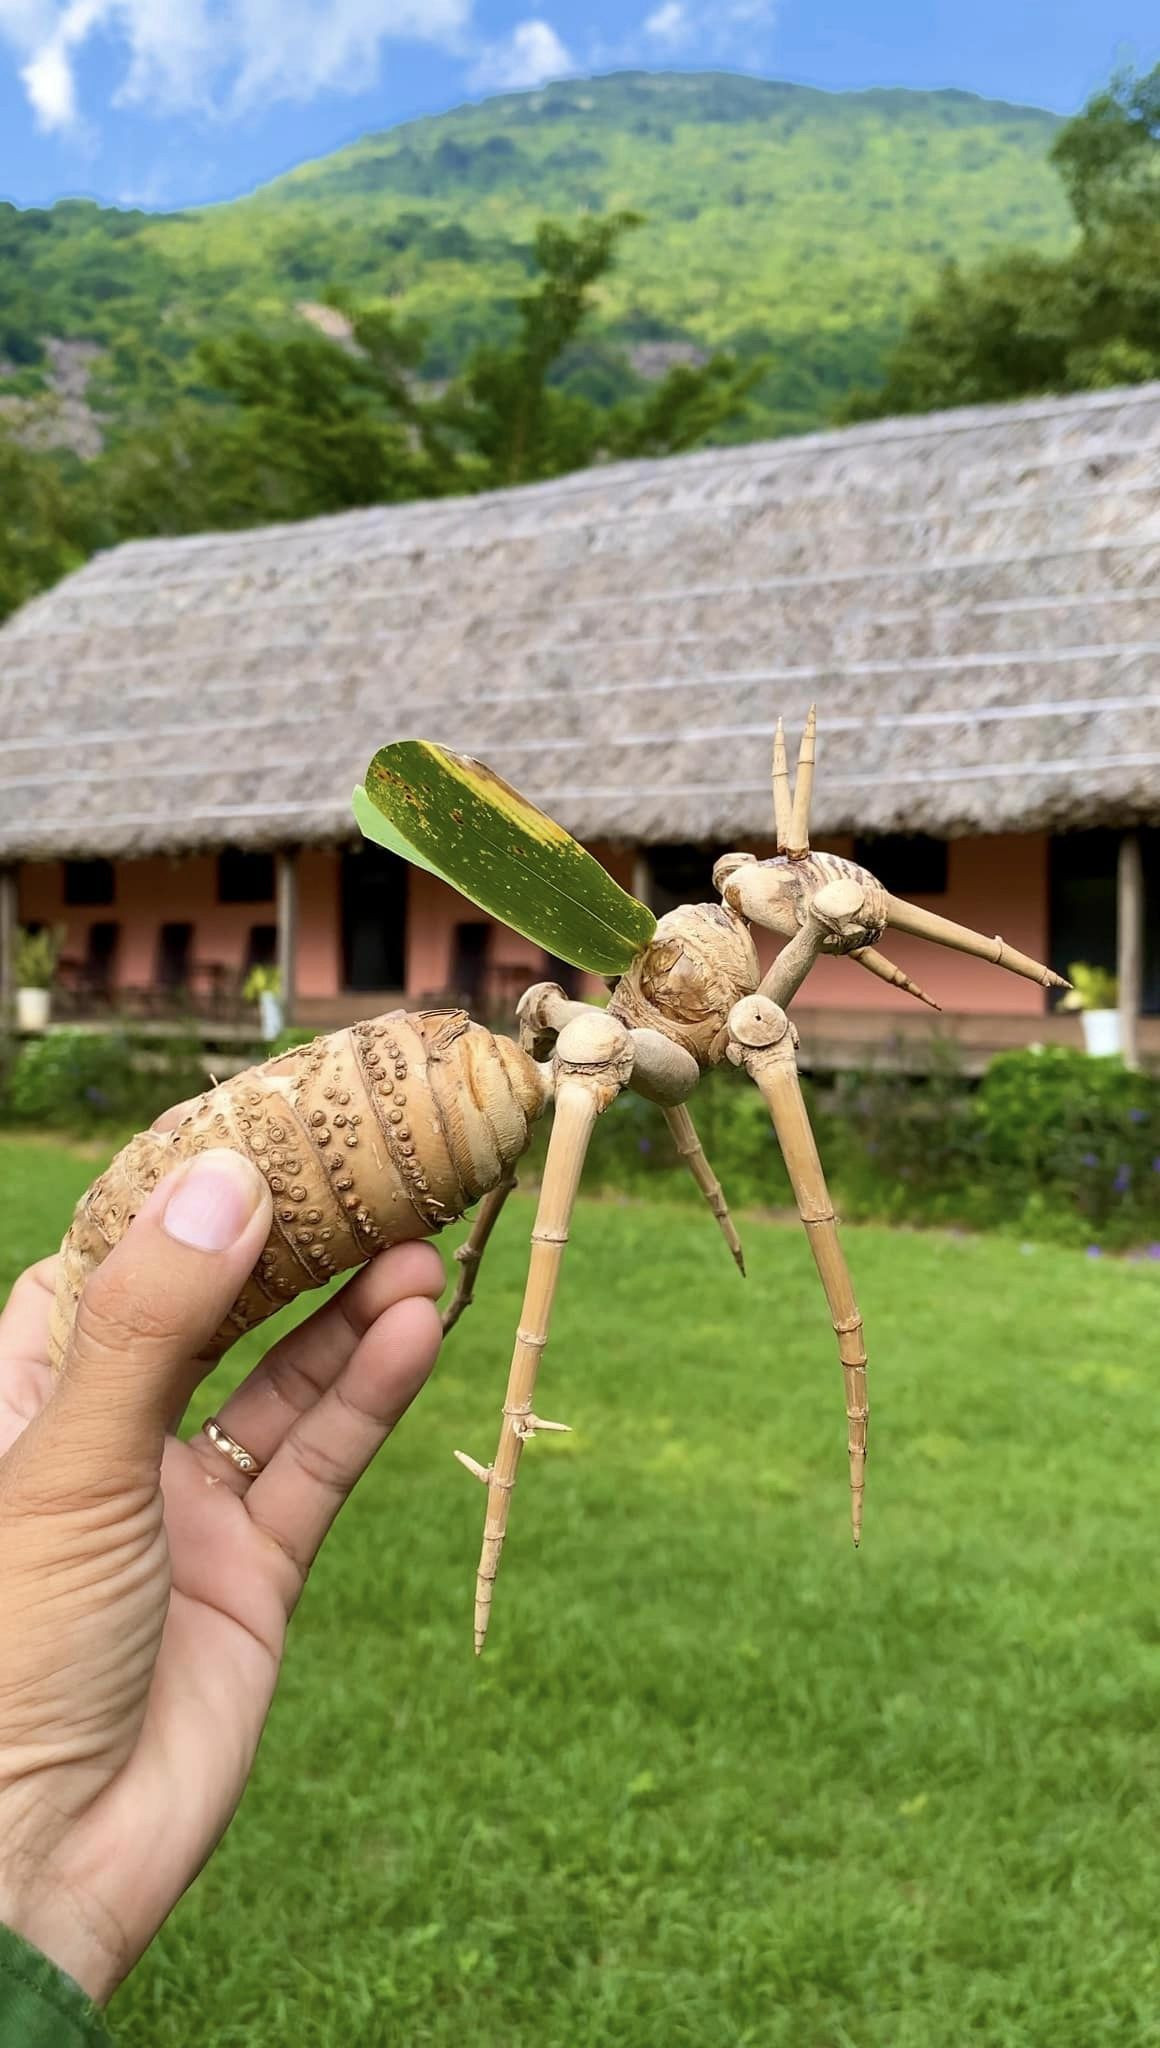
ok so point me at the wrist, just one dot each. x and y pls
(74, 1933)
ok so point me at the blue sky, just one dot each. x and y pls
(165, 102)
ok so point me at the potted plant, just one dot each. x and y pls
(263, 986)
(1095, 993)
(34, 963)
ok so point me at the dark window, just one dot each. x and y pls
(88, 883)
(1082, 871)
(261, 947)
(906, 863)
(562, 973)
(101, 955)
(374, 918)
(245, 877)
(174, 946)
(469, 962)
(680, 874)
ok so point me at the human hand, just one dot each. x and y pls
(145, 1583)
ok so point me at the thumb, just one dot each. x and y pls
(148, 1312)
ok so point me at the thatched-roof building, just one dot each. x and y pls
(972, 598)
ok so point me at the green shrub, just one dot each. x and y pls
(1052, 1144)
(75, 1080)
(285, 1042)
(1075, 1141)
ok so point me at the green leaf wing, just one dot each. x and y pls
(457, 819)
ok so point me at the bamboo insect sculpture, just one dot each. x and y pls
(398, 1126)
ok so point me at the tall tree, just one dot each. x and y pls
(43, 531)
(1025, 323)
(286, 426)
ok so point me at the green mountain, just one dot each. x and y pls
(778, 221)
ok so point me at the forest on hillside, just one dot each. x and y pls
(153, 385)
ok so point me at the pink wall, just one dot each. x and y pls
(150, 893)
(997, 884)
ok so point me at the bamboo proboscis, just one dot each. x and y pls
(398, 1126)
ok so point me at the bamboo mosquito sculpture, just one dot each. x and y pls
(398, 1126)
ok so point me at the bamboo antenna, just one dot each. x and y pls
(470, 1254)
(782, 800)
(927, 924)
(797, 842)
(877, 963)
(763, 1041)
(692, 1151)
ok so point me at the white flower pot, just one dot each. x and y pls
(32, 1007)
(270, 1011)
(1101, 1032)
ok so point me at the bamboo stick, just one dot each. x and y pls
(798, 837)
(927, 924)
(576, 1111)
(783, 980)
(782, 800)
(877, 963)
(763, 1042)
(692, 1151)
(470, 1253)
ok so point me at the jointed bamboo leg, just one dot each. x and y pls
(762, 1040)
(593, 1062)
(692, 1151)
(470, 1253)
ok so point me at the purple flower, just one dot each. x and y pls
(1122, 1180)
(1137, 1116)
(1093, 1252)
(644, 1144)
(1154, 1251)
(1156, 1163)
(872, 1147)
(1089, 1159)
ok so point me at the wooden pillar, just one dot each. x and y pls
(287, 900)
(9, 910)
(1130, 944)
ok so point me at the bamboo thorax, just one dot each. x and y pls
(380, 1133)
(685, 982)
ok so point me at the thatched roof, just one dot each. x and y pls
(972, 598)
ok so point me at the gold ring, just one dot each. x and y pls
(240, 1458)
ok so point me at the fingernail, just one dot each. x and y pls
(211, 1206)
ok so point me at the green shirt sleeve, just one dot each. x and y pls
(39, 2006)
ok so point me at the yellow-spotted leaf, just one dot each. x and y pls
(456, 818)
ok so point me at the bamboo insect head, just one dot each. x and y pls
(823, 903)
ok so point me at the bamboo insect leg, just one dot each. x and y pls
(470, 1253)
(593, 1062)
(692, 1151)
(762, 1040)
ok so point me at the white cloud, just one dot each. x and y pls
(531, 54)
(669, 25)
(218, 55)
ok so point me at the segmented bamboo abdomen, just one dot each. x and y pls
(379, 1133)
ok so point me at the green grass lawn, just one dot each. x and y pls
(717, 1780)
